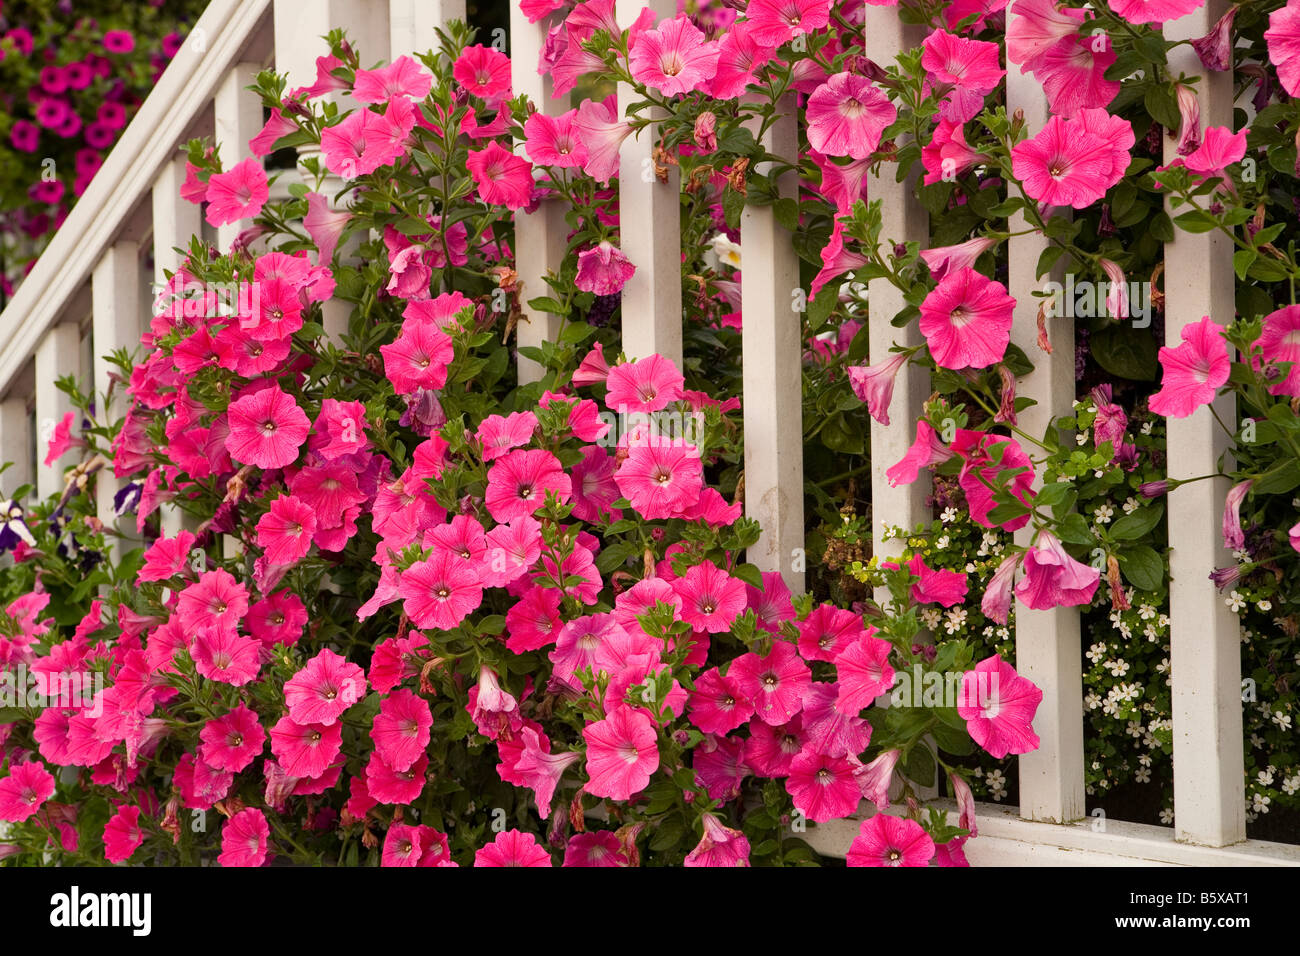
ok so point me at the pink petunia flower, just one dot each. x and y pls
(1193, 371)
(238, 194)
(863, 672)
(323, 689)
(675, 58)
(1280, 342)
(519, 481)
(483, 72)
(23, 792)
(555, 140)
(847, 116)
(969, 67)
(286, 530)
(243, 839)
(305, 750)
(874, 779)
(716, 705)
(227, 657)
(513, 848)
(402, 77)
(1283, 40)
(418, 357)
(603, 269)
(885, 840)
(984, 457)
(232, 741)
(661, 478)
(711, 598)
(822, 786)
(1064, 165)
(602, 134)
(266, 428)
(874, 384)
(499, 434)
(622, 753)
(1054, 579)
(440, 591)
(598, 848)
(998, 706)
(122, 834)
(646, 385)
(502, 178)
(720, 846)
(966, 320)
(775, 683)
(1154, 11)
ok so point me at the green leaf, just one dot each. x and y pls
(1126, 352)
(749, 573)
(1074, 530)
(1143, 568)
(1138, 524)
(546, 304)
(1162, 103)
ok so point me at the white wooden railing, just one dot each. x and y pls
(88, 296)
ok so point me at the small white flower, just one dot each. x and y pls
(1166, 814)
(1291, 784)
(1096, 652)
(1146, 428)
(1163, 666)
(1145, 760)
(1282, 720)
(1235, 601)
(1146, 612)
(1240, 555)
(1259, 802)
(956, 620)
(728, 252)
(930, 617)
(1117, 668)
(949, 515)
(1092, 701)
(1104, 513)
(942, 543)
(1131, 505)
(1265, 777)
(1142, 775)
(1081, 438)
(1264, 605)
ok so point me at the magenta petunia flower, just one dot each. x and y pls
(440, 591)
(716, 705)
(597, 848)
(775, 683)
(122, 834)
(323, 689)
(874, 779)
(711, 598)
(23, 792)
(675, 58)
(388, 785)
(966, 320)
(979, 474)
(822, 787)
(243, 839)
(603, 269)
(622, 753)
(1036, 26)
(645, 385)
(602, 134)
(555, 140)
(237, 194)
(233, 740)
(874, 384)
(519, 481)
(1052, 578)
(223, 655)
(513, 848)
(286, 530)
(499, 434)
(847, 116)
(305, 750)
(266, 428)
(119, 41)
(1234, 538)
(534, 621)
(830, 729)
(720, 846)
(1193, 371)
(885, 840)
(502, 178)
(998, 706)
(775, 22)
(215, 600)
(969, 67)
(996, 603)
(166, 557)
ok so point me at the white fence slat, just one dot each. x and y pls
(412, 24)
(652, 298)
(1047, 642)
(15, 445)
(772, 378)
(115, 287)
(58, 354)
(1209, 786)
(300, 25)
(238, 114)
(539, 236)
(903, 219)
(175, 220)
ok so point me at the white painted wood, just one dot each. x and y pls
(903, 219)
(59, 354)
(1047, 642)
(1007, 840)
(539, 236)
(238, 113)
(115, 325)
(772, 373)
(413, 24)
(175, 221)
(15, 445)
(651, 238)
(1209, 786)
(300, 25)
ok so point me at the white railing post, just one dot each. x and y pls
(1047, 642)
(1205, 637)
(238, 114)
(903, 219)
(652, 298)
(772, 371)
(15, 445)
(539, 236)
(175, 220)
(57, 355)
(115, 290)
(413, 24)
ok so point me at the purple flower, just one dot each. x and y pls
(119, 41)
